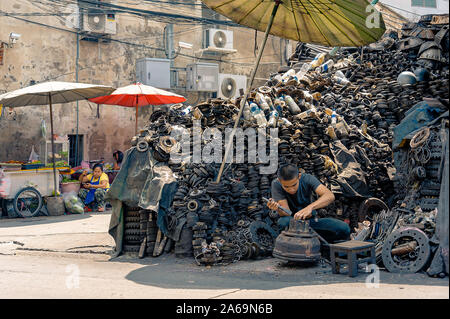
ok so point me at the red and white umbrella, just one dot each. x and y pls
(136, 95)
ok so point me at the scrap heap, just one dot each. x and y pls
(349, 105)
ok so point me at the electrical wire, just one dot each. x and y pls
(143, 46)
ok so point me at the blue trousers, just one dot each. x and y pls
(330, 229)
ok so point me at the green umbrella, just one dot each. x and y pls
(341, 23)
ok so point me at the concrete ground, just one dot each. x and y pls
(69, 257)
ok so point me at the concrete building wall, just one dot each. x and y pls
(413, 12)
(43, 54)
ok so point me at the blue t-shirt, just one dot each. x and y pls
(307, 186)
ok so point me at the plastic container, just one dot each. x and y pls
(333, 118)
(340, 78)
(305, 69)
(318, 60)
(286, 76)
(32, 166)
(187, 110)
(269, 101)
(305, 114)
(262, 103)
(273, 118)
(258, 115)
(292, 106)
(325, 67)
(246, 112)
(308, 96)
(278, 104)
(285, 121)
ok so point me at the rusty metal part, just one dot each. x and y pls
(404, 248)
(298, 243)
(420, 138)
(192, 205)
(142, 146)
(413, 262)
(368, 205)
(168, 143)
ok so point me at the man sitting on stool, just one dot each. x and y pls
(293, 190)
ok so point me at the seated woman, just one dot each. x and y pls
(95, 187)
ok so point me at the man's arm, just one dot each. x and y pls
(273, 205)
(278, 198)
(326, 197)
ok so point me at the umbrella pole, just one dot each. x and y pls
(136, 126)
(53, 143)
(252, 77)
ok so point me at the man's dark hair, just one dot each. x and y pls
(97, 165)
(119, 157)
(287, 172)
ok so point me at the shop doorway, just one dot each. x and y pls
(72, 153)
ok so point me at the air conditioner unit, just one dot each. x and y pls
(230, 84)
(97, 21)
(202, 77)
(218, 39)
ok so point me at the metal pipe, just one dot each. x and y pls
(76, 80)
(252, 77)
(53, 142)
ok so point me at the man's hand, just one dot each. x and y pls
(303, 214)
(87, 185)
(272, 204)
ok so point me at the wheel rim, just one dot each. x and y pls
(27, 203)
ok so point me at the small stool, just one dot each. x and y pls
(353, 250)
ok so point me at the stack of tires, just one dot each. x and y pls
(132, 234)
(198, 237)
(151, 230)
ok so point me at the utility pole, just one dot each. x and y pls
(76, 80)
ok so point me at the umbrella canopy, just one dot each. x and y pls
(139, 95)
(136, 95)
(53, 92)
(59, 92)
(340, 23)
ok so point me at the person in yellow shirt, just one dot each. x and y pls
(94, 189)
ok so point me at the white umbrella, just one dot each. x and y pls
(50, 93)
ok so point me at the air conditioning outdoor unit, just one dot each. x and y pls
(229, 85)
(218, 39)
(97, 21)
(202, 77)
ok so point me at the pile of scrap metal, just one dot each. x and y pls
(338, 123)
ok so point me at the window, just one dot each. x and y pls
(424, 3)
